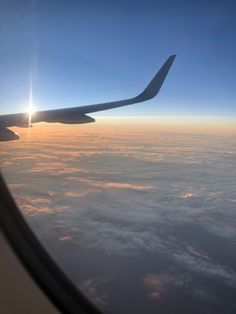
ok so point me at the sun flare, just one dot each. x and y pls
(30, 106)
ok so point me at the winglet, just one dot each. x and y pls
(155, 85)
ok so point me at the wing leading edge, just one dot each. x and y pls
(78, 114)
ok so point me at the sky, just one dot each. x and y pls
(86, 52)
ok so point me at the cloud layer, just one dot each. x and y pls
(132, 197)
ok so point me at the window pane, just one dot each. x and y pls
(138, 208)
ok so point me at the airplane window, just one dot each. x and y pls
(138, 208)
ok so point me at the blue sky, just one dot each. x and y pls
(83, 52)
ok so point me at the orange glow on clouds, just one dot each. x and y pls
(109, 125)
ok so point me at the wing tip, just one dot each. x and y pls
(171, 58)
(155, 85)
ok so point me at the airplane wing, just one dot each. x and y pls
(77, 115)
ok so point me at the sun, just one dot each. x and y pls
(30, 113)
(31, 110)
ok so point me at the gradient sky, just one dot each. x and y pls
(85, 52)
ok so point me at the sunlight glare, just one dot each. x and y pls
(30, 107)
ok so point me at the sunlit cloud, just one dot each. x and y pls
(157, 285)
(115, 185)
(16, 186)
(128, 186)
(155, 295)
(75, 194)
(65, 238)
(6, 164)
(94, 288)
(188, 194)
